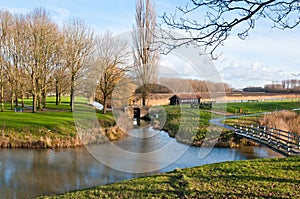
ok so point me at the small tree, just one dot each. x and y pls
(111, 62)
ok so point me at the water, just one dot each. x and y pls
(31, 173)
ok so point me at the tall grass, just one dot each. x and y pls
(283, 120)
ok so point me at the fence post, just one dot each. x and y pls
(265, 131)
(269, 136)
(288, 144)
(253, 130)
(277, 140)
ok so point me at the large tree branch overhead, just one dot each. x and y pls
(208, 23)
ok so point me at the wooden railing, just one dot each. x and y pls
(282, 141)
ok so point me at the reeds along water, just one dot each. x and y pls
(283, 120)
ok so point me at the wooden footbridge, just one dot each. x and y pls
(287, 143)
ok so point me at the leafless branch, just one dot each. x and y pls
(208, 23)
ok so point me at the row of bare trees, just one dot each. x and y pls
(286, 86)
(37, 57)
(180, 85)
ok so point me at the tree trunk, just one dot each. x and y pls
(23, 96)
(72, 95)
(104, 104)
(12, 101)
(44, 98)
(144, 101)
(16, 100)
(34, 92)
(2, 92)
(2, 100)
(56, 92)
(60, 97)
(144, 98)
(39, 100)
(33, 103)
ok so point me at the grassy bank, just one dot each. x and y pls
(257, 107)
(51, 127)
(192, 126)
(262, 178)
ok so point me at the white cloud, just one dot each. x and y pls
(264, 57)
(240, 75)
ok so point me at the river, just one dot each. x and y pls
(31, 173)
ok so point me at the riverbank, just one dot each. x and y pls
(193, 126)
(11, 139)
(261, 178)
(52, 129)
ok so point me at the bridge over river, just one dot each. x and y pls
(287, 143)
(284, 142)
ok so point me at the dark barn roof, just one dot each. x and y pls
(186, 96)
(184, 99)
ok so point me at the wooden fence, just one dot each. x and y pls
(282, 141)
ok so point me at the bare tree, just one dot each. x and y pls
(40, 39)
(17, 48)
(5, 21)
(2, 84)
(210, 22)
(112, 64)
(10, 54)
(146, 55)
(79, 41)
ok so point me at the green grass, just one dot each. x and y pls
(186, 123)
(192, 125)
(254, 107)
(55, 123)
(262, 178)
(58, 122)
(257, 107)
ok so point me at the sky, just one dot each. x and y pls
(268, 55)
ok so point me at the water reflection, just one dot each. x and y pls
(28, 173)
(31, 173)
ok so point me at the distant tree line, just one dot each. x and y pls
(286, 86)
(182, 85)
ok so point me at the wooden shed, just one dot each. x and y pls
(184, 99)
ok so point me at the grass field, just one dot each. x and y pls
(192, 123)
(262, 178)
(257, 107)
(20, 129)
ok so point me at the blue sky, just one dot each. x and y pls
(267, 55)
